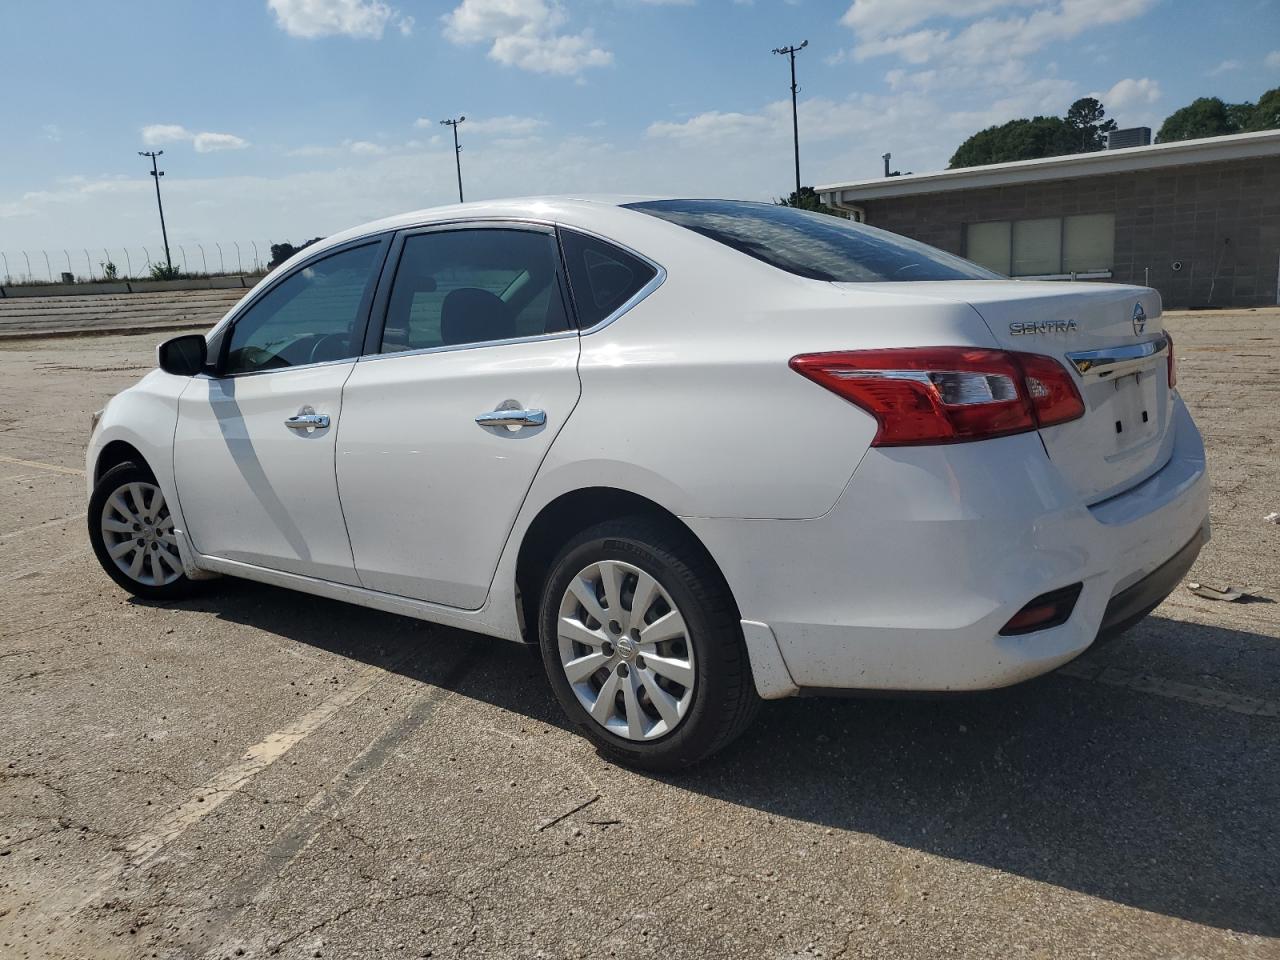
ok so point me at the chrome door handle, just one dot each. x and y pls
(308, 421)
(512, 418)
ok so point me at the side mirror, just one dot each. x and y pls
(183, 356)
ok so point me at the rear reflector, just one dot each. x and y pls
(1173, 365)
(947, 394)
(1047, 610)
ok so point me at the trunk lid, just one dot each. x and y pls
(1111, 339)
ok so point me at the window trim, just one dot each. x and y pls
(359, 333)
(659, 277)
(382, 296)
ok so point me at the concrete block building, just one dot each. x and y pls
(1199, 220)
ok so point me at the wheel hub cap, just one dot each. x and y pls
(137, 530)
(625, 651)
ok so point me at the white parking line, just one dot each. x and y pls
(1188, 693)
(56, 522)
(44, 566)
(205, 799)
(43, 466)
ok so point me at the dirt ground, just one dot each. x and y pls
(261, 773)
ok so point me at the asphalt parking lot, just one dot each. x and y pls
(261, 773)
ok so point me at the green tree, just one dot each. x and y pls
(280, 252)
(1239, 115)
(1088, 119)
(808, 199)
(1203, 117)
(1266, 114)
(1020, 139)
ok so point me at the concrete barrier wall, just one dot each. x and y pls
(128, 286)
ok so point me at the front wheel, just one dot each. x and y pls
(643, 646)
(131, 530)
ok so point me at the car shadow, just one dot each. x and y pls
(1143, 800)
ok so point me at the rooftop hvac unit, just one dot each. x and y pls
(1130, 137)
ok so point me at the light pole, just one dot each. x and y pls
(457, 150)
(158, 173)
(795, 119)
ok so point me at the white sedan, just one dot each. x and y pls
(703, 452)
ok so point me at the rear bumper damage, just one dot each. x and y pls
(907, 582)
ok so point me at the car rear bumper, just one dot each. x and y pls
(1133, 603)
(906, 583)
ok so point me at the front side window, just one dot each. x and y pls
(312, 316)
(457, 287)
(813, 245)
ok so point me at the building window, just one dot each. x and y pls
(1045, 246)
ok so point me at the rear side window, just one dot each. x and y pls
(814, 245)
(467, 286)
(601, 276)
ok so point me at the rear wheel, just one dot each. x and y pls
(642, 643)
(131, 530)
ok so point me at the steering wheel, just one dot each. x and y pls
(321, 340)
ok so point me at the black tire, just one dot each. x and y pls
(724, 699)
(112, 481)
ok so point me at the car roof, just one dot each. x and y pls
(601, 213)
(570, 209)
(551, 208)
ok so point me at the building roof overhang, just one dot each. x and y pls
(1240, 146)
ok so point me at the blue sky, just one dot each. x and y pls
(284, 119)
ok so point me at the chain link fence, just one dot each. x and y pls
(96, 264)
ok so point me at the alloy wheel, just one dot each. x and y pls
(625, 650)
(137, 530)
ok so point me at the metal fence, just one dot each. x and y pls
(84, 264)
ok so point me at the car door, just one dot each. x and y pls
(254, 446)
(470, 372)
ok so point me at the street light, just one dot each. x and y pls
(158, 173)
(795, 120)
(457, 150)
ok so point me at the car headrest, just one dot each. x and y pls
(471, 315)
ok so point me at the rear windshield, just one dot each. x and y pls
(814, 245)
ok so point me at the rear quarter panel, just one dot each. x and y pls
(688, 399)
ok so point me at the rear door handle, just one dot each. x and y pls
(308, 421)
(512, 418)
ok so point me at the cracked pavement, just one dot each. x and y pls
(161, 795)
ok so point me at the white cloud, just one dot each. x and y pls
(993, 39)
(1129, 94)
(158, 134)
(876, 18)
(211, 142)
(508, 126)
(353, 18)
(711, 127)
(525, 34)
(1273, 59)
(1224, 67)
(366, 148)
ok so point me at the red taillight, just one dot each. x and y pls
(1173, 366)
(1053, 393)
(947, 394)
